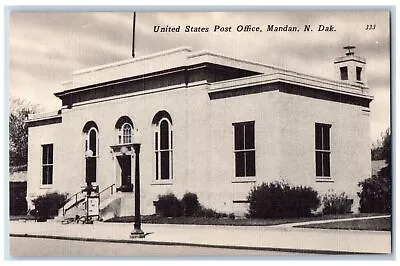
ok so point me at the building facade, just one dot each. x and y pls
(209, 124)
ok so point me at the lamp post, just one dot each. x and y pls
(137, 230)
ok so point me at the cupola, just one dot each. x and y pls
(351, 68)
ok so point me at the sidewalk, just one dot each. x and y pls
(302, 240)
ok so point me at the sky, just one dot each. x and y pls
(46, 47)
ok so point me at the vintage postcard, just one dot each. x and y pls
(247, 133)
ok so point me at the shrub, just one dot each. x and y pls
(336, 204)
(47, 205)
(209, 213)
(231, 215)
(168, 206)
(190, 204)
(376, 193)
(280, 200)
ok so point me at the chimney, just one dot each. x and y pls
(351, 68)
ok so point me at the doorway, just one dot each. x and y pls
(125, 164)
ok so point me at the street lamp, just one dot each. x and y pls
(137, 230)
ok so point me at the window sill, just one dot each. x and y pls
(46, 186)
(324, 180)
(162, 182)
(244, 180)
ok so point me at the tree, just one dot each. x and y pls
(376, 193)
(18, 131)
(387, 147)
(381, 149)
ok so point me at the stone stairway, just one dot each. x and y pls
(112, 204)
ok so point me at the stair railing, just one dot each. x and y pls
(110, 187)
(75, 197)
(64, 210)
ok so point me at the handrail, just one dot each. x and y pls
(110, 186)
(69, 199)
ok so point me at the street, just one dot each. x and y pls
(25, 246)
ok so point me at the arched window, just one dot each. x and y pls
(91, 132)
(124, 127)
(92, 142)
(163, 146)
(126, 133)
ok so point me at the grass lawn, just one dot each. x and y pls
(226, 221)
(379, 224)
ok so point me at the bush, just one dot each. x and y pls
(336, 204)
(280, 200)
(47, 206)
(209, 213)
(376, 193)
(190, 204)
(168, 206)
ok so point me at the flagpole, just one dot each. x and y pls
(133, 34)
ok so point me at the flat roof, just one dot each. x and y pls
(88, 78)
(175, 58)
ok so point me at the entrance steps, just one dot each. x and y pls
(77, 209)
(112, 204)
(117, 205)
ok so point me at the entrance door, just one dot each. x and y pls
(124, 162)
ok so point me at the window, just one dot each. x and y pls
(91, 151)
(343, 73)
(92, 140)
(47, 164)
(358, 73)
(322, 150)
(244, 149)
(163, 146)
(124, 129)
(126, 133)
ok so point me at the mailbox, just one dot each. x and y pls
(92, 206)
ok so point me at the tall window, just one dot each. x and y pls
(322, 150)
(47, 164)
(343, 73)
(91, 132)
(245, 153)
(163, 146)
(91, 142)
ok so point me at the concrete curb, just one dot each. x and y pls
(171, 243)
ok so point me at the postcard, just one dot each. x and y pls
(238, 133)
